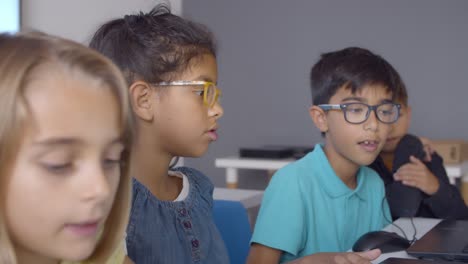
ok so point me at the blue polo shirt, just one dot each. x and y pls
(307, 209)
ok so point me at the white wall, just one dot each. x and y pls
(77, 20)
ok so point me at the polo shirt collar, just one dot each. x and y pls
(333, 185)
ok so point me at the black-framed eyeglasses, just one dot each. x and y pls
(210, 91)
(358, 113)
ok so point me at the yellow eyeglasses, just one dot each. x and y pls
(210, 92)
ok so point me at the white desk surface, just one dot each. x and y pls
(249, 198)
(453, 170)
(251, 163)
(423, 225)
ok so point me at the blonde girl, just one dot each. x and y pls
(64, 141)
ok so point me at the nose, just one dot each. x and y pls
(216, 111)
(95, 184)
(372, 122)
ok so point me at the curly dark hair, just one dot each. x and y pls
(153, 46)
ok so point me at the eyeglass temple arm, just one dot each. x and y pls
(329, 106)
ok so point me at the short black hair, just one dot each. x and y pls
(153, 46)
(353, 68)
(402, 95)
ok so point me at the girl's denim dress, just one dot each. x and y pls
(175, 232)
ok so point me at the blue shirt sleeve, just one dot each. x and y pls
(281, 221)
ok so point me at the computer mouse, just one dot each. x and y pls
(385, 241)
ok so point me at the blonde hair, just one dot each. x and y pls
(21, 56)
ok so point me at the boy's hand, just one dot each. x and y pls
(428, 148)
(339, 258)
(416, 174)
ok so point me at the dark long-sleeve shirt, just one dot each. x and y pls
(445, 203)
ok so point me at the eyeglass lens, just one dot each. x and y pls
(358, 113)
(211, 95)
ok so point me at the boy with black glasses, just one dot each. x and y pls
(325, 201)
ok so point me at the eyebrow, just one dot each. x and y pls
(363, 100)
(58, 142)
(55, 142)
(203, 78)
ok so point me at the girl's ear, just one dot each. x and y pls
(141, 100)
(319, 117)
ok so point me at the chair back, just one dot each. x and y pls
(232, 221)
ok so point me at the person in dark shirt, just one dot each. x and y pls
(438, 198)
